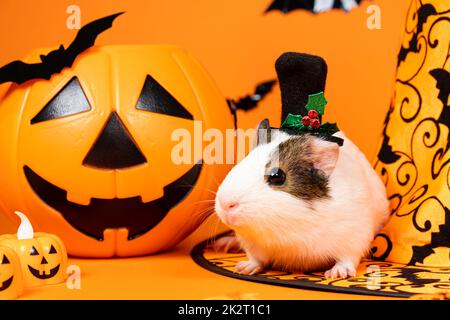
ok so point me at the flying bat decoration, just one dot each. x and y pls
(250, 101)
(386, 154)
(314, 6)
(424, 12)
(442, 78)
(55, 61)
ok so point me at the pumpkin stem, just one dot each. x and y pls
(25, 230)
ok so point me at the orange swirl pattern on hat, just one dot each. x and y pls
(414, 159)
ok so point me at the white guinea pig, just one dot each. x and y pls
(302, 203)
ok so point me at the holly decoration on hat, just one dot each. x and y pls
(311, 122)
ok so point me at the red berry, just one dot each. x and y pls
(313, 114)
(306, 120)
(315, 123)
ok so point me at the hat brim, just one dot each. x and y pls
(373, 277)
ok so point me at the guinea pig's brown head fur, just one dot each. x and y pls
(306, 163)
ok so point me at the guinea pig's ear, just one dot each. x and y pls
(263, 132)
(324, 155)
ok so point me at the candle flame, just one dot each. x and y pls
(25, 230)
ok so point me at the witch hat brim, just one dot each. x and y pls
(373, 277)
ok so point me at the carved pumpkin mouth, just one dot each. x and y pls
(6, 284)
(43, 275)
(102, 214)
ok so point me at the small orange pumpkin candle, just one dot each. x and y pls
(43, 256)
(11, 282)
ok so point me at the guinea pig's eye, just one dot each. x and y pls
(276, 177)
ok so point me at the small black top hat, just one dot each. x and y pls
(299, 75)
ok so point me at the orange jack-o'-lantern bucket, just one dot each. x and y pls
(88, 154)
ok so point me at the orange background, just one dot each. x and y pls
(238, 45)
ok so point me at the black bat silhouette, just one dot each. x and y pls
(438, 239)
(412, 275)
(250, 101)
(386, 153)
(442, 78)
(287, 6)
(423, 14)
(19, 71)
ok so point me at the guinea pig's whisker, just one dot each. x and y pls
(206, 214)
(202, 217)
(213, 236)
(213, 233)
(206, 189)
(211, 191)
(205, 201)
(217, 182)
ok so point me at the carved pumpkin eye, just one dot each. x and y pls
(155, 98)
(52, 250)
(5, 260)
(34, 252)
(67, 102)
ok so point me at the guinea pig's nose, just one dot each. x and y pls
(229, 205)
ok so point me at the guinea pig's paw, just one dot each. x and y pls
(249, 267)
(342, 269)
(227, 244)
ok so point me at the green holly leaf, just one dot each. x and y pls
(317, 102)
(329, 128)
(292, 121)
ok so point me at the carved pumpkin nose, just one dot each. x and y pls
(114, 148)
(44, 261)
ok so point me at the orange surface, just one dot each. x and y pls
(171, 275)
(238, 47)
